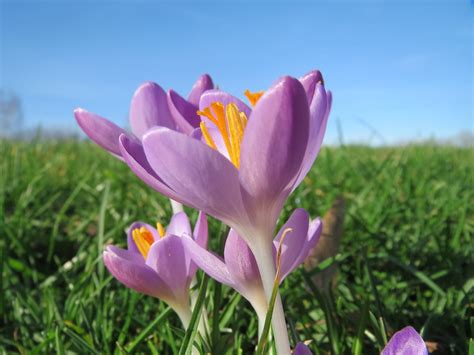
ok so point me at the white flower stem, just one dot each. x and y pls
(176, 206)
(185, 314)
(266, 266)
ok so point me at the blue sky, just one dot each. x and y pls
(402, 69)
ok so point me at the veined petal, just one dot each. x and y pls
(208, 262)
(100, 130)
(137, 225)
(134, 156)
(198, 174)
(241, 262)
(319, 113)
(179, 225)
(203, 84)
(200, 233)
(172, 263)
(184, 113)
(309, 82)
(314, 233)
(149, 108)
(224, 98)
(294, 240)
(273, 146)
(406, 341)
(137, 276)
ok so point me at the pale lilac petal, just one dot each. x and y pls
(203, 84)
(314, 233)
(126, 254)
(201, 230)
(208, 262)
(184, 113)
(319, 113)
(406, 342)
(241, 262)
(179, 225)
(134, 156)
(137, 276)
(171, 262)
(273, 146)
(137, 225)
(294, 241)
(149, 108)
(198, 174)
(309, 82)
(301, 349)
(224, 98)
(218, 139)
(100, 130)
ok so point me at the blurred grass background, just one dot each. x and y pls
(406, 256)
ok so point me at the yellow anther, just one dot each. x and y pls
(160, 229)
(207, 136)
(230, 123)
(143, 239)
(253, 96)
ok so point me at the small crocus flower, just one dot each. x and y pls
(406, 342)
(302, 349)
(239, 270)
(156, 262)
(150, 107)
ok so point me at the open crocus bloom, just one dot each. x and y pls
(150, 107)
(156, 262)
(239, 268)
(406, 342)
(247, 161)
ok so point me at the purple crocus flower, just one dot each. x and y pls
(156, 262)
(239, 268)
(150, 107)
(245, 165)
(406, 342)
(302, 349)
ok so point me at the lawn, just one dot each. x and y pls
(405, 258)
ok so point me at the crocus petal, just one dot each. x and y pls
(217, 139)
(171, 262)
(319, 113)
(224, 98)
(314, 233)
(134, 156)
(126, 254)
(208, 262)
(137, 225)
(184, 113)
(100, 130)
(294, 241)
(136, 276)
(309, 82)
(179, 225)
(241, 262)
(200, 233)
(198, 174)
(301, 349)
(274, 144)
(149, 108)
(406, 342)
(203, 84)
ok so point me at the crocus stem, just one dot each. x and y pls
(266, 266)
(176, 206)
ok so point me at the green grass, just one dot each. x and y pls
(406, 254)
